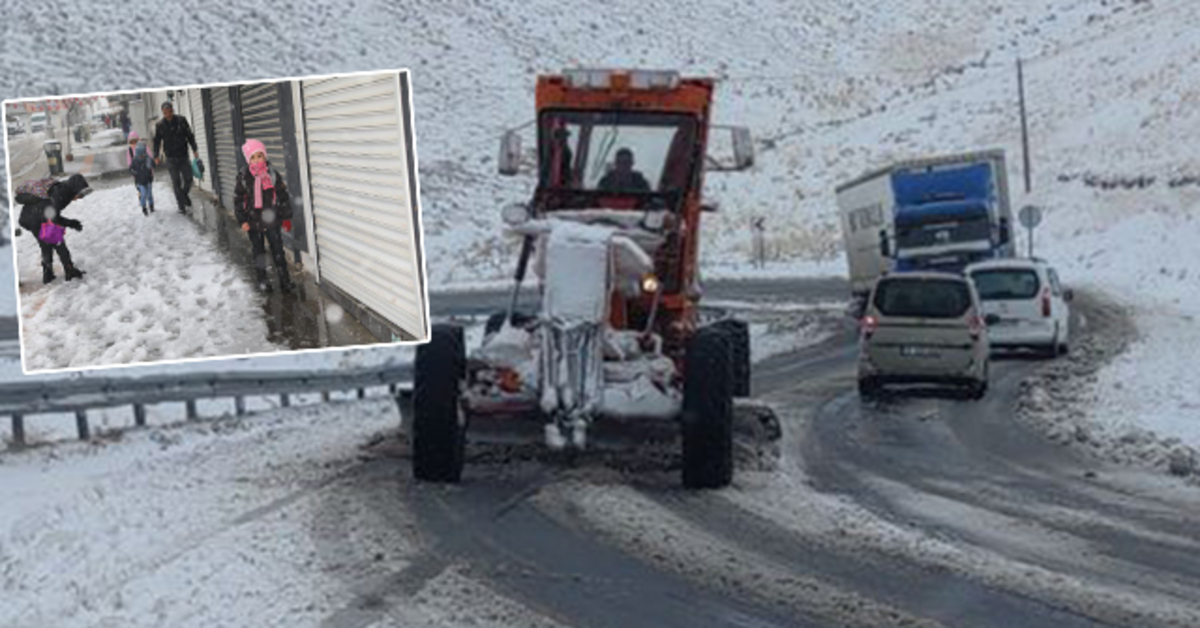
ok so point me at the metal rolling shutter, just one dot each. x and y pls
(358, 172)
(260, 120)
(196, 120)
(226, 153)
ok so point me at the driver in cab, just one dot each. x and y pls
(623, 178)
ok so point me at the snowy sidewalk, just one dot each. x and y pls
(156, 289)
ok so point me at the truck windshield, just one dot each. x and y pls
(922, 298)
(942, 232)
(619, 152)
(1006, 283)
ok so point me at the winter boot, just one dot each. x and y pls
(145, 211)
(285, 282)
(151, 208)
(47, 273)
(73, 273)
(264, 283)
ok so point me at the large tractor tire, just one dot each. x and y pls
(439, 426)
(707, 420)
(738, 335)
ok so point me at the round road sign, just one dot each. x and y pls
(1030, 216)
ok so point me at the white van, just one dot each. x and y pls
(38, 122)
(1031, 305)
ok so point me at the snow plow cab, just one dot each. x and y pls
(612, 233)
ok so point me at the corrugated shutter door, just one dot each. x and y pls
(196, 119)
(260, 120)
(226, 152)
(358, 171)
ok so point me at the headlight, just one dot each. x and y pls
(650, 284)
(514, 214)
(655, 221)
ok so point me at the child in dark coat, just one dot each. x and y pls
(42, 217)
(262, 207)
(141, 166)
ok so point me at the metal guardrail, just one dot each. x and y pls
(20, 399)
(10, 350)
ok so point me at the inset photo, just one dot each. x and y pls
(215, 221)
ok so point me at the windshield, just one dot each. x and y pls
(922, 298)
(1008, 283)
(942, 232)
(621, 152)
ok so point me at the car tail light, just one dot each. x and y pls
(1046, 302)
(975, 326)
(868, 325)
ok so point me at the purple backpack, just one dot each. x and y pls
(51, 233)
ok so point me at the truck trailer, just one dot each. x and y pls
(939, 213)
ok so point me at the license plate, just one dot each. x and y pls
(918, 352)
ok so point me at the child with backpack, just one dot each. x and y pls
(43, 201)
(262, 207)
(141, 166)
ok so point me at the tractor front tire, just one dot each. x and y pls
(738, 334)
(707, 420)
(439, 426)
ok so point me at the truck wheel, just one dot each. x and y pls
(738, 335)
(439, 426)
(708, 411)
(496, 321)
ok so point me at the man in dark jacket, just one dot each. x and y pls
(173, 135)
(623, 178)
(34, 214)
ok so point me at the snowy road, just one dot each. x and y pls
(919, 511)
(915, 512)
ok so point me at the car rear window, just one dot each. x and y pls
(923, 298)
(1006, 283)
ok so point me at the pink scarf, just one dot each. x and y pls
(262, 180)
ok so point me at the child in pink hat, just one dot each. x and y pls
(262, 207)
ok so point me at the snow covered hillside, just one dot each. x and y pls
(794, 71)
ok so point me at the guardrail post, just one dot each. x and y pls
(285, 400)
(18, 430)
(392, 389)
(81, 424)
(139, 415)
(191, 409)
(239, 402)
(362, 393)
(325, 396)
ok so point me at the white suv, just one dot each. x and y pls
(1029, 302)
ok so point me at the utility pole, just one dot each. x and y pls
(1024, 124)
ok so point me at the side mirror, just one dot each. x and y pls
(510, 153)
(1068, 295)
(743, 148)
(885, 248)
(991, 319)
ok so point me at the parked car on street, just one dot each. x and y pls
(923, 328)
(1029, 301)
